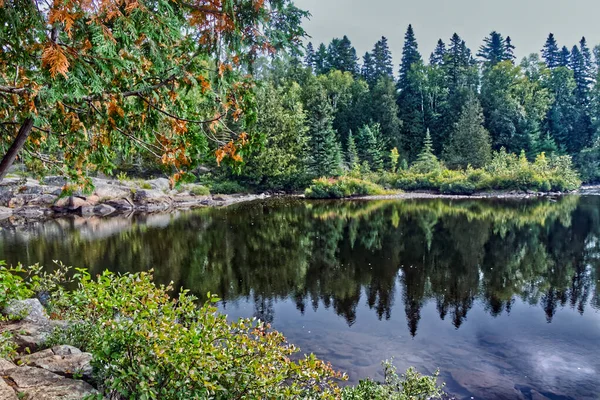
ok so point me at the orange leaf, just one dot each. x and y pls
(55, 60)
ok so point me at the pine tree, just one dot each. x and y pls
(410, 56)
(368, 69)
(342, 56)
(551, 53)
(470, 142)
(325, 151)
(426, 161)
(438, 56)
(509, 50)
(493, 50)
(382, 59)
(351, 152)
(581, 73)
(384, 111)
(309, 59)
(369, 146)
(321, 64)
(565, 57)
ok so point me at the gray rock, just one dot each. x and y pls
(43, 200)
(160, 183)
(143, 196)
(39, 384)
(30, 212)
(54, 181)
(6, 392)
(104, 210)
(106, 191)
(31, 310)
(121, 204)
(66, 361)
(5, 365)
(5, 211)
(31, 188)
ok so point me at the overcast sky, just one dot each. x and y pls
(527, 22)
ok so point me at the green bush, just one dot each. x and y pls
(147, 345)
(330, 188)
(199, 190)
(227, 187)
(410, 386)
(13, 285)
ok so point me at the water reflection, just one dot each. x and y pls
(397, 259)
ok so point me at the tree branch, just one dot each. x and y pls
(13, 90)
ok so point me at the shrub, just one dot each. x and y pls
(411, 386)
(13, 286)
(199, 190)
(227, 187)
(330, 188)
(147, 345)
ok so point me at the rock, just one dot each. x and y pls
(30, 337)
(6, 392)
(144, 196)
(121, 204)
(5, 211)
(66, 361)
(30, 212)
(106, 191)
(31, 310)
(103, 210)
(31, 188)
(76, 202)
(59, 181)
(160, 183)
(39, 384)
(43, 200)
(219, 198)
(5, 364)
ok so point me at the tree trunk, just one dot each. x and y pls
(17, 145)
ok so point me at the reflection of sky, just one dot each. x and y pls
(520, 349)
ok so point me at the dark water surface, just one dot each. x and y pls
(502, 296)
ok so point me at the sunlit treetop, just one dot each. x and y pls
(85, 81)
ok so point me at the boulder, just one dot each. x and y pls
(6, 392)
(104, 210)
(59, 181)
(43, 200)
(66, 361)
(5, 364)
(5, 211)
(30, 310)
(29, 212)
(121, 204)
(160, 183)
(106, 191)
(40, 384)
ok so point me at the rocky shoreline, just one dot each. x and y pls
(29, 199)
(40, 373)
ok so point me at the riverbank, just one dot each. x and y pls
(23, 199)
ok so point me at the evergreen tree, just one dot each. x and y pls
(470, 143)
(493, 50)
(384, 111)
(351, 152)
(309, 59)
(382, 59)
(509, 50)
(439, 54)
(410, 56)
(369, 146)
(561, 117)
(321, 64)
(325, 152)
(551, 53)
(565, 57)
(342, 56)
(368, 69)
(426, 161)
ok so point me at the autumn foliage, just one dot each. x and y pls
(115, 78)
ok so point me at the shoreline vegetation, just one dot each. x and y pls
(124, 337)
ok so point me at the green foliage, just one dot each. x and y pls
(329, 188)
(227, 187)
(14, 285)
(8, 348)
(588, 163)
(410, 386)
(370, 146)
(147, 345)
(505, 171)
(394, 156)
(199, 190)
(426, 162)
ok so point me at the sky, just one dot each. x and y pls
(527, 22)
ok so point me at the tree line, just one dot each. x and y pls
(327, 112)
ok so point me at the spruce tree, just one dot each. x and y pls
(426, 161)
(321, 64)
(509, 50)
(384, 111)
(565, 57)
(493, 50)
(470, 142)
(382, 59)
(369, 146)
(439, 54)
(551, 53)
(367, 71)
(309, 59)
(410, 56)
(325, 151)
(342, 56)
(351, 152)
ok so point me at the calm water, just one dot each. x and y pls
(502, 296)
